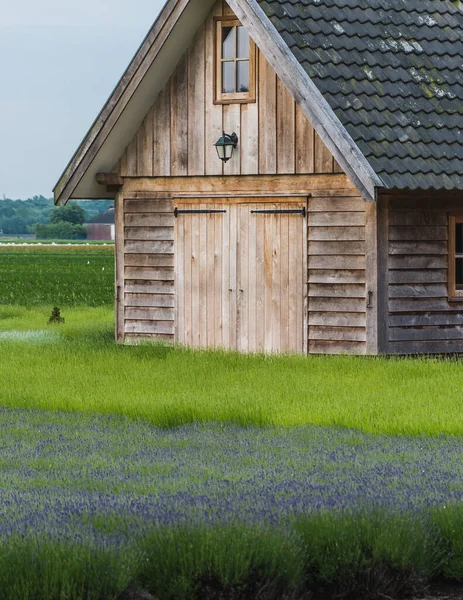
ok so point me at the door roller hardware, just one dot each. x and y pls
(178, 211)
(296, 211)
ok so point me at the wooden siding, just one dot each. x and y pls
(178, 134)
(148, 268)
(421, 317)
(336, 275)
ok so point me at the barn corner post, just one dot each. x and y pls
(376, 292)
(119, 265)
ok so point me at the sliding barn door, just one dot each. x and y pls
(241, 275)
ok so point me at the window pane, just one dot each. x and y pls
(243, 42)
(243, 76)
(459, 274)
(228, 42)
(228, 78)
(459, 238)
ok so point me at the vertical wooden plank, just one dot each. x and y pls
(232, 124)
(249, 141)
(233, 279)
(301, 275)
(204, 291)
(293, 282)
(267, 85)
(243, 291)
(304, 228)
(131, 165)
(210, 292)
(180, 280)
(383, 273)
(371, 274)
(218, 266)
(276, 282)
(161, 134)
(284, 285)
(260, 280)
(195, 276)
(268, 275)
(226, 293)
(252, 282)
(145, 146)
(119, 265)
(305, 144)
(196, 104)
(187, 278)
(336, 167)
(213, 112)
(227, 10)
(323, 157)
(179, 119)
(286, 130)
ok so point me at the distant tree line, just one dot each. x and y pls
(38, 215)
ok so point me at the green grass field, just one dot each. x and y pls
(95, 435)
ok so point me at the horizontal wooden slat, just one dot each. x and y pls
(428, 347)
(337, 304)
(417, 218)
(148, 287)
(417, 262)
(337, 219)
(149, 273)
(425, 276)
(350, 334)
(149, 220)
(426, 319)
(336, 248)
(337, 276)
(325, 205)
(336, 290)
(435, 290)
(336, 233)
(337, 262)
(153, 337)
(336, 319)
(418, 247)
(149, 233)
(149, 314)
(418, 233)
(149, 260)
(149, 247)
(150, 300)
(327, 347)
(148, 205)
(425, 333)
(164, 327)
(419, 305)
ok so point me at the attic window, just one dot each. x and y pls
(235, 63)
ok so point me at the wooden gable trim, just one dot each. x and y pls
(119, 99)
(308, 97)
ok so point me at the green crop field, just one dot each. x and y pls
(206, 475)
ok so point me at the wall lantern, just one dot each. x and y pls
(225, 146)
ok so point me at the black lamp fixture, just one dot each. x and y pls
(225, 146)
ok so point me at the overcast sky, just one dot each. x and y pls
(59, 61)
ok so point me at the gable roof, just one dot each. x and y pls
(353, 66)
(392, 70)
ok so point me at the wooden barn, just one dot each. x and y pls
(102, 226)
(287, 176)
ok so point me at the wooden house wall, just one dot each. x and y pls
(178, 134)
(336, 274)
(421, 317)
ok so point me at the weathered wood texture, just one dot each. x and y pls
(336, 275)
(241, 276)
(178, 133)
(421, 317)
(148, 269)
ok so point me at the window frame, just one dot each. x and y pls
(236, 97)
(454, 294)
